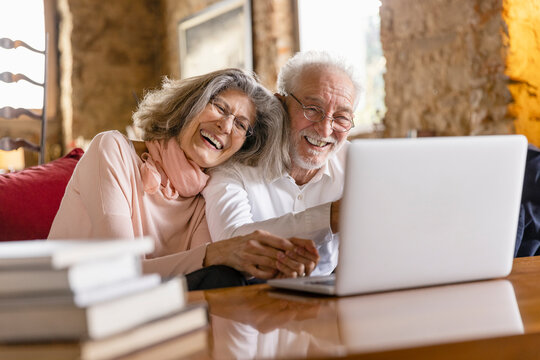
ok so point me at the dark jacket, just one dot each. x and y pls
(528, 234)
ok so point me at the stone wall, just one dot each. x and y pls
(445, 67)
(450, 63)
(523, 65)
(109, 50)
(273, 38)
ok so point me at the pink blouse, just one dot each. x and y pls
(105, 199)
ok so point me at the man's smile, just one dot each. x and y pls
(317, 142)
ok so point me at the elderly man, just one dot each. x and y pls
(320, 93)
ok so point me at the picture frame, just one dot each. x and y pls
(216, 38)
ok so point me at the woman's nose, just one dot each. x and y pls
(226, 123)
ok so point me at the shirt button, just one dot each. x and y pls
(300, 197)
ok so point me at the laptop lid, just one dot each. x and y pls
(426, 211)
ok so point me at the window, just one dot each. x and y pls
(349, 28)
(23, 20)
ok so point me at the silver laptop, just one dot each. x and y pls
(427, 211)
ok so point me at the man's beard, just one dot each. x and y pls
(305, 161)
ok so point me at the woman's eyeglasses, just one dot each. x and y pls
(241, 125)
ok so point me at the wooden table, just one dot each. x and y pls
(497, 319)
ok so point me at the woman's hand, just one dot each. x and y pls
(304, 253)
(264, 255)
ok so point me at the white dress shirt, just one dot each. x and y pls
(239, 201)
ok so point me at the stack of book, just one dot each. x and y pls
(90, 296)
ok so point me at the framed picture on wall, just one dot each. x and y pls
(217, 37)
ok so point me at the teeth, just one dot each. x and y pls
(212, 139)
(316, 142)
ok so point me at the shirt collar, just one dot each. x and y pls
(323, 171)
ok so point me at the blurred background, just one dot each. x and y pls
(437, 67)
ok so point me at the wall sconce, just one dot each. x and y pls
(11, 160)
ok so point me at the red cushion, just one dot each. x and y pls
(29, 199)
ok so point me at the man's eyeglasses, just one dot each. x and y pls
(241, 125)
(341, 121)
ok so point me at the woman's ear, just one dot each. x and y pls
(280, 98)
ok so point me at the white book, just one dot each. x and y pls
(172, 337)
(33, 319)
(80, 277)
(60, 254)
(84, 298)
(111, 291)
(189, 319)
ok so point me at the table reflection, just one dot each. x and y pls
(262, 324)
(429, 316)
(272, 324)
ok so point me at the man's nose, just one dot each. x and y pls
(324, 127)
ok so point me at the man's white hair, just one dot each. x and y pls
(293, 68)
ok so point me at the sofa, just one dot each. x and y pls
(30, 198)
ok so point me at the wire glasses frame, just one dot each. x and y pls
(242, 128)
(316, 114)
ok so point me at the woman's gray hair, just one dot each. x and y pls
(289, 74)
(163, 113)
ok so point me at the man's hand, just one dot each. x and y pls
(264, 255)
(305, 253)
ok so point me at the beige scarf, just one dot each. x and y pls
(166, 166)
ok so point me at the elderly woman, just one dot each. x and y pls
(126, 189)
